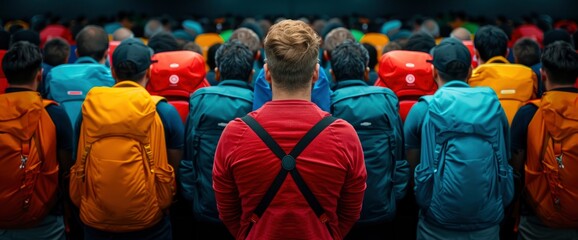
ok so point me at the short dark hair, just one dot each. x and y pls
(373, 56)
(92, 41)
(163, 42)
(455, 70)
(349, 60)
(234, 60)
(491, 41)
(21, 63)
(560, 61)
(56, 51)
(527, 52)
(127, 71)
(211, 55)
(420, 42)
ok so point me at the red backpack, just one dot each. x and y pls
(3, 80)
(408, 75)
(552, 160)
(176, 75)
(28, 163)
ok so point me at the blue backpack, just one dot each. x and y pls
(464, 181)
(211, 109)
(68, 84)
(373, 112)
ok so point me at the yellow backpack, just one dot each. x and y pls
(121, 180)
(515, 84)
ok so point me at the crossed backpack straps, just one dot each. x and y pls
(288, 164)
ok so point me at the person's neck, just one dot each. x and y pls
(555, 86)
(303, 94)
(25, 86)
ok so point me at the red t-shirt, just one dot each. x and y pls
(332, 166)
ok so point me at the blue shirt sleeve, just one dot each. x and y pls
(413, 124)
(262, 91)
(519, 128)
(63, 127)
(320, 95)
(174, 129)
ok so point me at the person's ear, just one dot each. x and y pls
(267, 73)
(76, 52)
(257, 55)
(38, 77)
(113, 72)
(366, 74)
(326, 55)
(217, 74)
(315, 76)
(545, 78)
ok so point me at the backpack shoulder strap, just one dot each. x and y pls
(46, 103)
(288, 165)
(535, 102)
(157, 99)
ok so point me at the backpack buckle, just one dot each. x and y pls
(323, 218)
(254, 218)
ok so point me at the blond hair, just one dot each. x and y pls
(292, 51)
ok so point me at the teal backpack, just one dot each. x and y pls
(464, 181)
(373, 112)
(68, 84)
(203, 129)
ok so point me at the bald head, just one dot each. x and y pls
(122, 34)
(461, 34)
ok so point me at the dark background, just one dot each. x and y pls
(10, 9)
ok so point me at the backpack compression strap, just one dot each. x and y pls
(288, 166)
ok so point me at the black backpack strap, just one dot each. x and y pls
(288, 166)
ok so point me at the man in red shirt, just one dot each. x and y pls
(331, 165)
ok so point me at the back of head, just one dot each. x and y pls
(163, 42)
(560, 62)
(26, 35)
(192, 46)
(336, 37)
(152, 27)
(131, 60)
(122, 34)
(247, 37)
(373, 56)
(420, 42)
(21, 63)
(234, 60)
(253, 26)
(292, 50)
(527, 52)
(491, 41)
(211, 55)
(557, 35)
(461, 34)
(393, 45)
(452, 60)
(92, 41)
(349, 61)
(430, 27)
(56, 51)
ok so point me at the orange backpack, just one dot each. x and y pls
(121, 180)
(515, 84)
(552, 160)
(28, 163)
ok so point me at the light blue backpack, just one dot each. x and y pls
(68, 84)
(463, 181)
